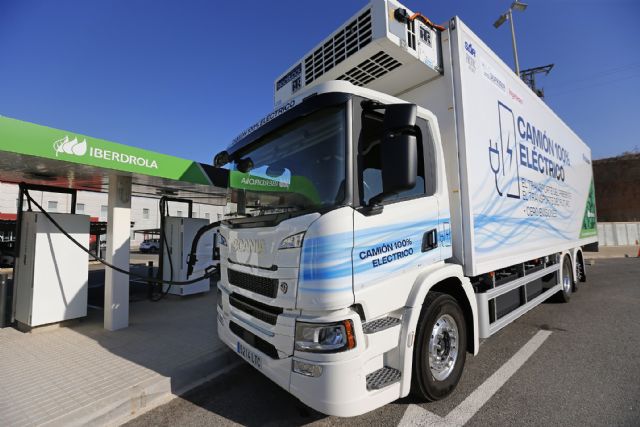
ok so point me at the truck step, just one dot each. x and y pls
(380, 325)
(382, 377)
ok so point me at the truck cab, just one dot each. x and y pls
(344, 223)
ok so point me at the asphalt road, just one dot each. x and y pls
(586, 372)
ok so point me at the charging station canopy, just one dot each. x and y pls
(43, 156)
(46, 156)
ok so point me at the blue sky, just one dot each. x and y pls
(184, 77)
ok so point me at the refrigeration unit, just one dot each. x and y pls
(51, 272)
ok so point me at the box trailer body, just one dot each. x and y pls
(408, 196)
(497, 135)
(526, 180)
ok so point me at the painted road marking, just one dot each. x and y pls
(417, 416)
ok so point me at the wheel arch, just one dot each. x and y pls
(452, 286)
(572, 254)
(448, 279)
(579, 261)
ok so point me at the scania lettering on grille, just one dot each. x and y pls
(248, 245)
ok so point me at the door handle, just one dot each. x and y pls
(430, 240)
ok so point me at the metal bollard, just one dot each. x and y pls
(5, 300)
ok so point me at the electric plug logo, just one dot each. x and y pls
(495, 154)
(70, 146)
(502, 155)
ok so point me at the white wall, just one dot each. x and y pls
(93, 203)
(618, 233)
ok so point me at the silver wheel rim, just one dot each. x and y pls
(566, 280)
(443, 347)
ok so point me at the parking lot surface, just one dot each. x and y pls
(569, 364)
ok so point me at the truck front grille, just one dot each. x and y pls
(254, 340)
(260, 285)
(260, 311)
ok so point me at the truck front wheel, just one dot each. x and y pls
(440, 349)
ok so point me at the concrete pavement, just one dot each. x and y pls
(83, 374)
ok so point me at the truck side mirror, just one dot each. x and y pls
(221, 159)
(398, 151)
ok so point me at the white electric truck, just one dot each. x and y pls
(408, 196)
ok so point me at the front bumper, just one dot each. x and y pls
(340, 390)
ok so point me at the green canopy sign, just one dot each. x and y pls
(34, 140)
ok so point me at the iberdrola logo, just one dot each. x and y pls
(70, 146)
(80, 148)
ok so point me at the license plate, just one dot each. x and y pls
(249, 355)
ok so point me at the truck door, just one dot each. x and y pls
(390, 246)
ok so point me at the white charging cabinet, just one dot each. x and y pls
(179, 233)
(52, 273)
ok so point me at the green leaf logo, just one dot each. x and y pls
(70, 146)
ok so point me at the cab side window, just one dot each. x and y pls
(369, 162)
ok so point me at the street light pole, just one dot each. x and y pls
(508, 15)
(513, 41)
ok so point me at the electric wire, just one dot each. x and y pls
(589, 81)
(163, 208)
(591, 77)
(588, 87)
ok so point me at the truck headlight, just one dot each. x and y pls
(294, 241)
(325, 337)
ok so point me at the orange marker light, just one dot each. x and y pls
(351, 338)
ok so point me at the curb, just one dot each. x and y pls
(131, 402)
(124, 403)
(597, 255)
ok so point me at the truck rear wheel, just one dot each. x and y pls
(567, 280)
(440, 349)
(581, 274)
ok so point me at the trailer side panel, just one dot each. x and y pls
(528, 176)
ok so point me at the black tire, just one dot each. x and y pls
(566, 273)
(580, 269)
(424, 385)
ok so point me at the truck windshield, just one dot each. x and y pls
(300, 166)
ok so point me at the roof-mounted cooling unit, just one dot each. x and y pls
(383, 47)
